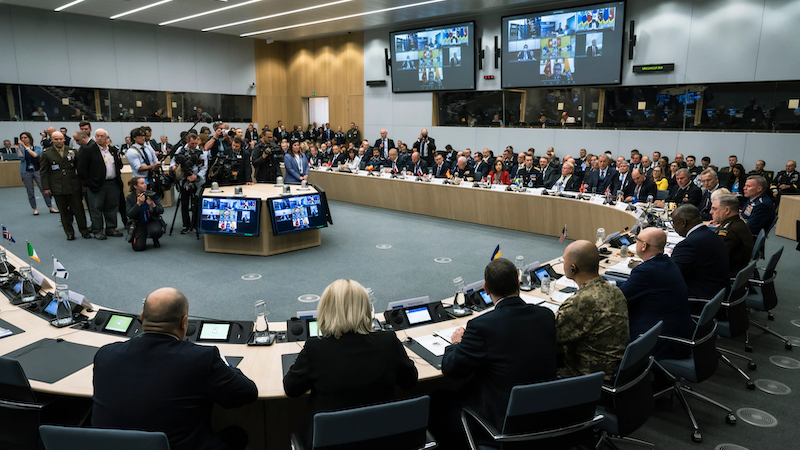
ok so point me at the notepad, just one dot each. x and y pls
(447, 333)
(433, 344)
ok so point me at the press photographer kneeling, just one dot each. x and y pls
(144, 215)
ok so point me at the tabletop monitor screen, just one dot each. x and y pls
(214, 332)
(541, 273)
(52, 308)
(297, 213)
(119, 324)
(418, 315)
(434, 59)
(567, 47)
(624, 240)
(232, 216)
(486, 298)
(313, 329)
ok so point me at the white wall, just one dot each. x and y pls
(710, 41)
(61, 49)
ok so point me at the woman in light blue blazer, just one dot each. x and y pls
(296, 164)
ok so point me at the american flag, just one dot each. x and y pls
(7, 235)
(563, 236)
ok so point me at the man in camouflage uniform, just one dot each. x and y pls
(353, 135)
(592, 329)
(733, 231)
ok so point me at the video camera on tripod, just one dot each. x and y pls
(186, 160)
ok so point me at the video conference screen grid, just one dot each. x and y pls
(230, 216)
(434, 59)
(575, 46)
(298, 213)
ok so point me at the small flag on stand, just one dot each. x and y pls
(564, 235)
(7, 235)
(32, 253)
(497, 253)
(58, 270)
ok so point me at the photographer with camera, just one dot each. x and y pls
(144, 215)
(266, 159)
(190, 167)
(242, 170)
(219, 143)
(141, 157)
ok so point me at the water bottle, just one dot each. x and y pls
(261, 328)
(546, 285)
(63, 308)
(601, 237)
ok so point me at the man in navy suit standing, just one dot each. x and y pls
(604, 177)
(656, 291)
(702, 257)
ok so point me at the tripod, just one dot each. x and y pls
(182, 197)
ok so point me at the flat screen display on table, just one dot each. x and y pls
(232, 216)
(118, 324)
(297, 213)
(214, 331)
(566, 47)
(418, 315)
(434, 59)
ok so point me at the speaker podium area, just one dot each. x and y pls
(265, 244)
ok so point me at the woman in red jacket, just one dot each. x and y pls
(499, 175)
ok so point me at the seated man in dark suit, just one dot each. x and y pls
(733, 231)
(392, 163)
(440, 169)
(710, 182)
(515, 344)
(702, 257)
(160, 382)
(462, 169)
(567, 181)
(416, 166)
(604, 177)
(684, 191)
(480, 167)
(656, 291)
(759, 211)
(641, 188)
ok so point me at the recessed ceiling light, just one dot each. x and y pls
(272, 16)
(194, 16)
(140, 9)
(350, 16)
(63, 7)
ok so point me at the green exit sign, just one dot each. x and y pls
(313, 94)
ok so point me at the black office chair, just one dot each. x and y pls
(758, 246)
(701, 364)
(69, 438)
(400, 425)
(734, 320)
(559, 413)
(20, 412)
(762, 295)
(628, 402)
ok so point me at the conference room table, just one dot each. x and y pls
(268, 421)
(9, 174)
(528, 210)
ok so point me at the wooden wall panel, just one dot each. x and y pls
(332, 67)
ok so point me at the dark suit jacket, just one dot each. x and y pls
(549, 176)
(703, 260)
(656, 291)
(387, 163)
(690, 194)
(354, 370)
(155, 382)
(512, 345)
(573, 183)
(92, 168)
(440, 172)
(705, 205)
(431, 146)
(610, 180)
(648, 188)
(384, 151)
(622, 185)
(481, 170)
(423, 166)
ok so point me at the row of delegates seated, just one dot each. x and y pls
(160, 382)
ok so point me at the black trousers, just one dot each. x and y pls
(151, 229)
(69, 206)
(189, 203)
(104, 204)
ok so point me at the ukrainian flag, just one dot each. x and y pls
(497, 253)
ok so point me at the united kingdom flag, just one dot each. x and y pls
(7, 235)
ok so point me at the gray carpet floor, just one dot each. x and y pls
(109, 273)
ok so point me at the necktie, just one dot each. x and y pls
(146, 158)
(422, 149)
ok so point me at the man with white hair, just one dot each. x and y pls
(99, 168)
(384, 143)
(60, 179)
(462, 169)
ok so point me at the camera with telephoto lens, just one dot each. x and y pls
(188, 159)
(151, 194)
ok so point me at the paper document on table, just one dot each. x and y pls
(674, 238)
(5, 332)
(566, 282)
(622, 266)
(559, 297)
(433, 344)
(551, 306)
(447, 333)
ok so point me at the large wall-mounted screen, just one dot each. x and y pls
(434, 59)
(568, 47)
